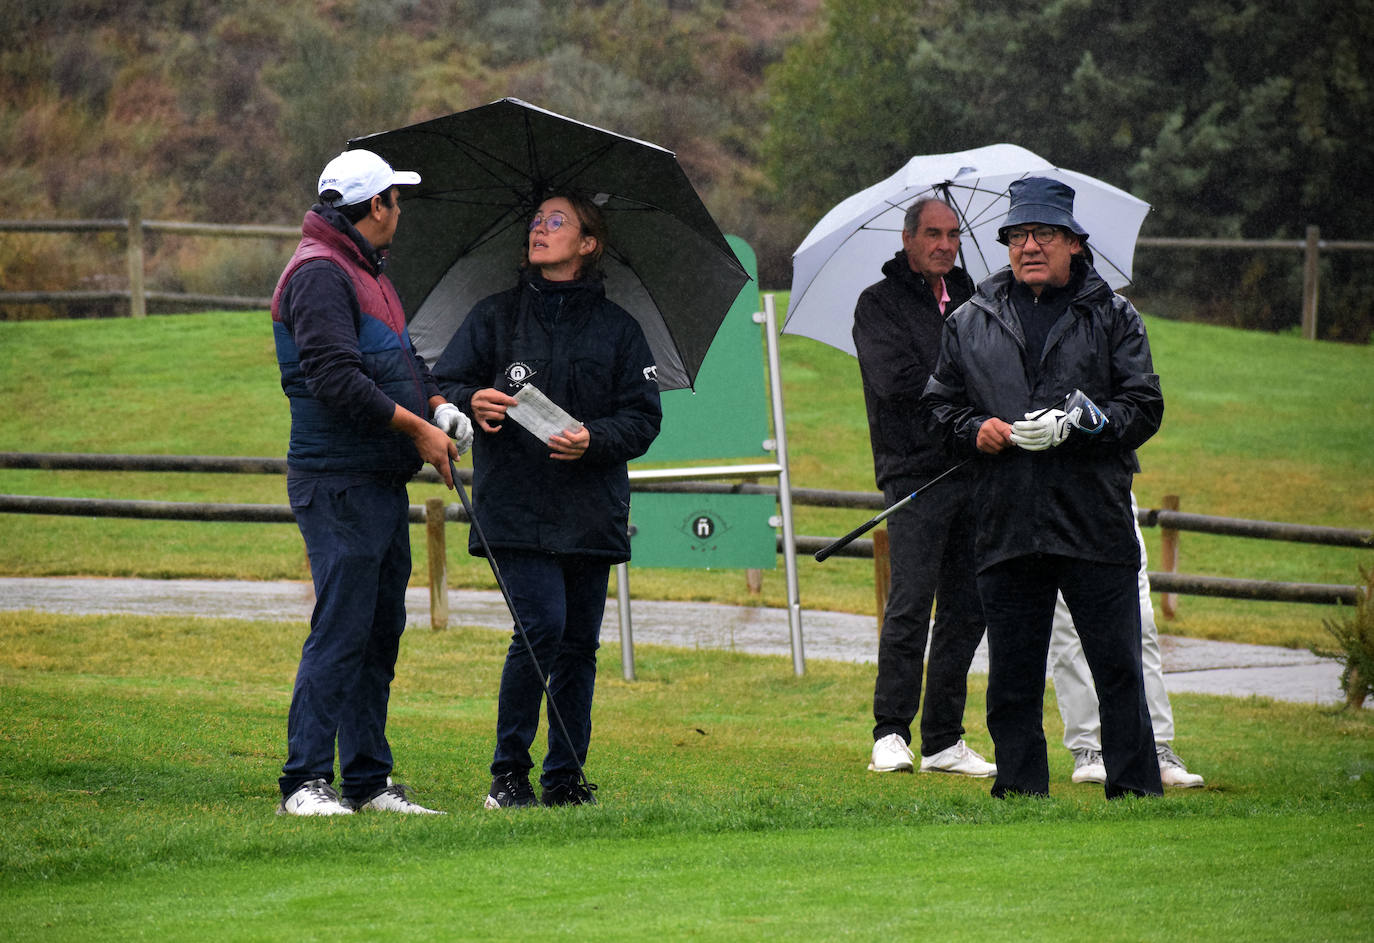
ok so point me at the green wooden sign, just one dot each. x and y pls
(726, 419)
(709, 531)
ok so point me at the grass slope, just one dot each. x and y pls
(1256, 426)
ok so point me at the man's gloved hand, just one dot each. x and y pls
(453, 421)
(1039, 431)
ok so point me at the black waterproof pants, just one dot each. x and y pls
(1018, 599)
(931, 542)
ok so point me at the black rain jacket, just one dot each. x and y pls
(1075, 499)
(591, 359)
(897, 328)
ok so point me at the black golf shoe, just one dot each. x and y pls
(510, 791)
(569, 792)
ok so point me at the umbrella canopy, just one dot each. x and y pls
(844, 253)
(483, 174)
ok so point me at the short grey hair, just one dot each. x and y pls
(913, 212)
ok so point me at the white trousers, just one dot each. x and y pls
(1073, 683)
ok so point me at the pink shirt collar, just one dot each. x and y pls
(944, 296)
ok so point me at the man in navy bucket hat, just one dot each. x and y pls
(1053, 502)
(1041, 200)
(1046, 201)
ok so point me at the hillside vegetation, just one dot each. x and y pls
(777, 109)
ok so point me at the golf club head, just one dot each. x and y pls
(1083, 413)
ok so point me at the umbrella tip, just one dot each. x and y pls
(601, 199)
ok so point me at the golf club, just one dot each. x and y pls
(519, 628)
(873, 522)
(1082, 414)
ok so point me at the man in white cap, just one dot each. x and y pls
(1054, 507)
(365, 417)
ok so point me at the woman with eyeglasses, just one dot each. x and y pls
(555, 512)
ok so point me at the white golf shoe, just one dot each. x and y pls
(1172, 772)
(891, 755)
(960, 760)
(396, 798)
(316, 797)
(1088, 766)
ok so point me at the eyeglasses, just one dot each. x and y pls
(553, 222)
(1043, 235)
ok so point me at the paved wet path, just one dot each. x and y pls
(1190, 664)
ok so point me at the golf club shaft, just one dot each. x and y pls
(519, 628)
(864, 528)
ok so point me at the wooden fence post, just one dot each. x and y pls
(1168, 557)
(753, 581)
(1311, 276)
(438, 563)
(138, 305)
(882, 573)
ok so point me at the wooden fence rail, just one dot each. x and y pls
(134, 227)
(1163, 582)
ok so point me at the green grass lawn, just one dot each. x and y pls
(1256, 426)
(138, 764)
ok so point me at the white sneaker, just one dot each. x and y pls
(960, 760)
(1172, 772)
(1088, 766)
(891, 755)
(396, 798)
(316, 797)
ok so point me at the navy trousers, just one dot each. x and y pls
(560, 601)
(931, 542)
(1018, 600)
(357, 535)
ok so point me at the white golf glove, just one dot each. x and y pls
(1038, 432)
(453, 421)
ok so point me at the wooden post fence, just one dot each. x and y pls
(438, 563)
(135, 226)
(1311, 276)
(138, 299)
(1168, 556)
(882, 573)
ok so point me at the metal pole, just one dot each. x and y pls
(789, 543)
(627, 642)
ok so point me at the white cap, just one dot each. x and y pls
(359, 176)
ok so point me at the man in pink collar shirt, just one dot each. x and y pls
(897, 326)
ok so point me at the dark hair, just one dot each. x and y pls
(912, 219)
(593, 223)
(354, 212)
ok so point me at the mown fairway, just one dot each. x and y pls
(138, 764)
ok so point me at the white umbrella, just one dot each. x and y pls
(844, 253)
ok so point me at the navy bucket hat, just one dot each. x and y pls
(1040, 200)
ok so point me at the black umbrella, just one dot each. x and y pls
(486, 170)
